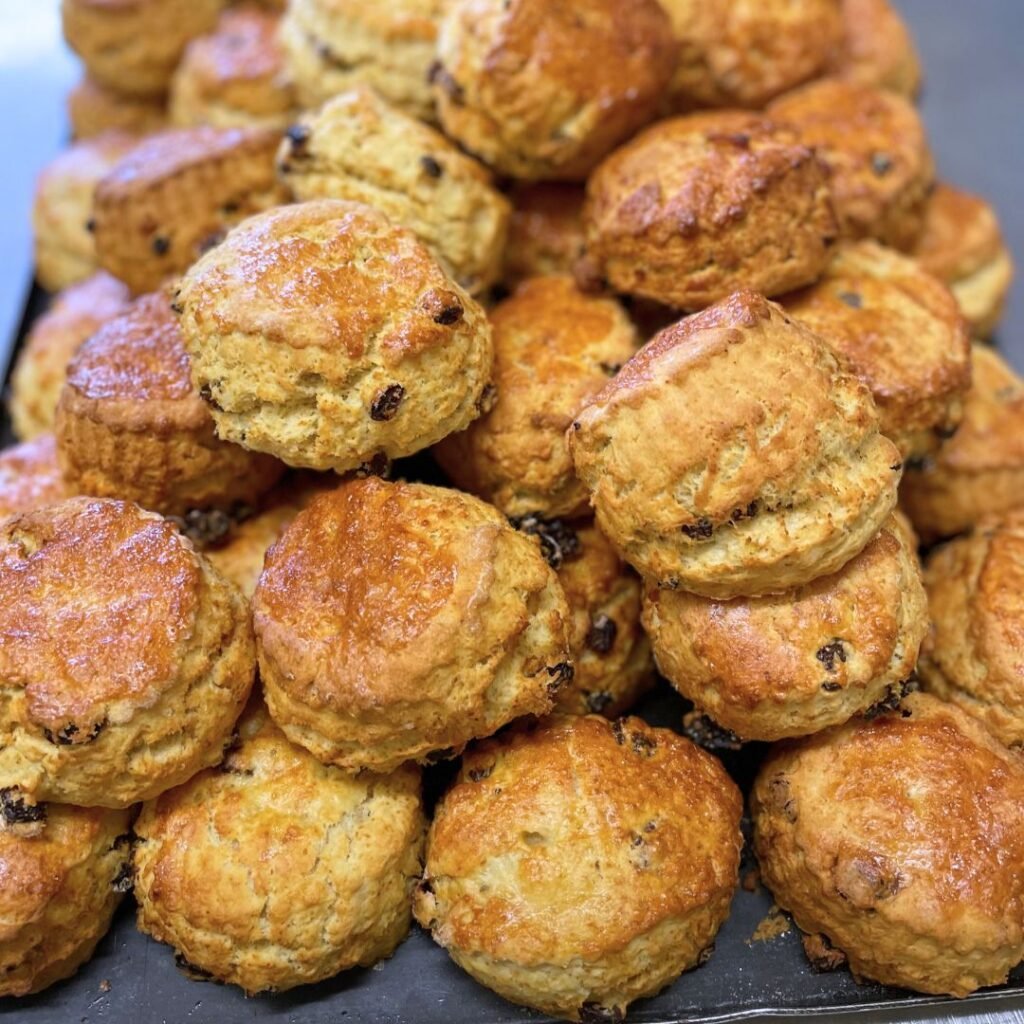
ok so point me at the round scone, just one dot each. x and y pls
(974, 655)
(41, 365)
(876, 48)
(962, 245)
(734, 455)
(873, 143)
(696, 207)
(94, 109)
(899, 329)
(743, 53)
(358, 147)
(65, 251)
(124, 657)
(399, 621)
(554, 348)
(175, 195)
(130, 424)
(797, 662)
(133, 46)
(235, 77)
(545, 233)
(330, 337)
(899, 844)
(980, 470)
(581, 864)
(30, 476)
(64, 870)
(332, 45)
(542, 91)
(273, 870)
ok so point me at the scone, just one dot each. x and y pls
(873, 142)
(545, 234)
(40, 368)
(273, 870)
(175, 195)
(94, 109)
(133, 46)
(64, 870)
(611, 655)
(235, 77)
(326, 335)
(124, 657)
(581, 864)
(332, 45)
(399, 621)
(899, 844)
(962, 245)
(130, 424)
(65, 251)
(974, 655)
(899, 329)
(695, 207)
(797, 662)
(734, 455)
(30, 476)
(743, 53)
(358, 147)
(980, 470)
(554, 348)
(542, 91)
(876, 48)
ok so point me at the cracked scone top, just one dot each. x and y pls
(125, 658)
(793, 663)
(396, 620)
(580, 864)
(326, 335)
(273, 870)
(542, 90)
(733, 454)
(695, 207)
(901, 841)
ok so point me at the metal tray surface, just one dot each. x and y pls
(972, 107)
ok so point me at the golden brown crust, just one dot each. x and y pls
(41, 367)
(877, 48)
(900, 330)
(902, 841)
(324, 334)
(980, 470)
(797, 662)
(581, 861)
(396, 620)
(734, 455)
(874, 145)
(555, 347)
(175, 194)
(123, 657)
(274, 870)
(695, 207)
(130, 424)
(94, 109)
(30, 476)
(545, 233)
(61, 885)
(539, 92)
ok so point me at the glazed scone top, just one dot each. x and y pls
(30, 475)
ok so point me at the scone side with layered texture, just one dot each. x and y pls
(877, 48)
(901, 841)
(734, 455)
(360, 148)
(30, 476)
(273, 870)
(554, 347)
(93, 109)
(800, 661)
(695, 207)
(399, 621)
(326, 335)
(579, 864)
(125, 658)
